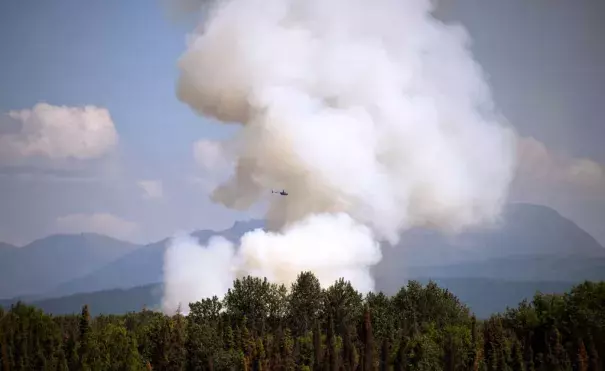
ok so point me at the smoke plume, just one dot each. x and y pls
(372, 115)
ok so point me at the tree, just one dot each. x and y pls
(250, 297)
(317, 348)
(401, 360)
(333, 359)
(419, 328)
(582, 357)
(556, 357)
(518, 363)
(119, 349)
(287, 350)
(305, 302)
(381, 312)
(368, 341)
(385, 351)
(342, 303)
(85, 341)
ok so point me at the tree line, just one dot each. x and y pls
(259, 325)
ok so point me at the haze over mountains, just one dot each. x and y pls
(6, 249)
(40, 266)
(534, 249)
(533, 243)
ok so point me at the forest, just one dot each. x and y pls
(259, 325)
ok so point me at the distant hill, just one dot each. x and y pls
(525, 229)
(483, 296)
(43, 264)
(534, 229)
(534, 249)
(522, 268)
(533, 243)
(143, 266)
(116, 301)
(7, 246)
(6, 249)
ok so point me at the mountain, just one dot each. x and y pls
(143, 266)
(483, 296)
(525, 230)
(532, 243)
(522, 268)
(532, 230)
(534, 248)
(116, 301)
(45, 263)
(6, 249)
(6, 246)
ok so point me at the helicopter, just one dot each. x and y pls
(283, 192)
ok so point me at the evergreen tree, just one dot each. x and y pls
(474, 351)
(529, 358)
(368, 340)
(4, 349)
(304, 303)
(331, 343)
(401, 360)
(317, 348)
(384, 355)
(449, 363)
(582, 357)
(85, 340)
(594, 363)
(287, 351)
(420, 328)
(556, 357)
(518, 364)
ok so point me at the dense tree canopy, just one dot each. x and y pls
(259, 325)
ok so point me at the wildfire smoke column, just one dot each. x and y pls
(373, 115)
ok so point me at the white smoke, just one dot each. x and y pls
(314, 243)
(373, 115)
(192, 272)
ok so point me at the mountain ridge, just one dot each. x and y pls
(4, 245)
(46, 262)
(528, 231)
(147, 262)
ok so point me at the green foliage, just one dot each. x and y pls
(305, 303)
(263, 326)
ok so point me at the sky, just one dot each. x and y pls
(104, 72)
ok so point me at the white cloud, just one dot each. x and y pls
(57, 133)
(102, 223)
(151, 188)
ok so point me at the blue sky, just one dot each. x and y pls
(545, 61)
(115, 54)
